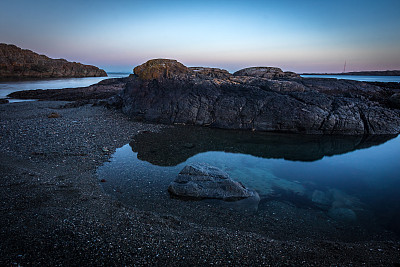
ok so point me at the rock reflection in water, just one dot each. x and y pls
(176, 144)
(345, 188)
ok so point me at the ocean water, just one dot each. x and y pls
(9, 87)
(324, 187)
(358, 78)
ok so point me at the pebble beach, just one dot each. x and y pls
(54, 211)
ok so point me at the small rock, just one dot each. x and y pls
(188, 145)
(205, 181)
(3, 101)
(320, 198)
(103, 180)
(53, 115)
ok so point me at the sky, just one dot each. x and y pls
(301, 36)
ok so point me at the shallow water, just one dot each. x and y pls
(358, 78)
(337, 188)
(7, 88)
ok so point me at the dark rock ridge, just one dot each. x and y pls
(17, 63)
(165, 91)
(201, 180)
(174, 145)
(101, 90)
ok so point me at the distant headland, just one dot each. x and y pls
(362, 73)
(19, 64)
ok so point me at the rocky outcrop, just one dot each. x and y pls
(165, 91)
(205, 181)
(17, 63)
(212, 72)
(266, 72)
(101, 90)
(160, 69)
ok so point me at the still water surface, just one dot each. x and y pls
(358, 78)
(339, 188)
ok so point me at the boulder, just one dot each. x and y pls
(212, 72)
(205, 181)
(160, 68)
(266, 72)
(395, 100)
(17, 63)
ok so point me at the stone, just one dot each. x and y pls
(17, 63)
(320, 198)
(266, 72)
(342, 214)
(3, 101)
(201, 181)
(160, 68)
(212, 72)
(395, 100)
(165, 91)
(53, 115)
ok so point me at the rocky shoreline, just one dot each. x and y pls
(259, 99)
(23, 64)
(54, 211)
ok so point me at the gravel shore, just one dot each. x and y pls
(55, 212)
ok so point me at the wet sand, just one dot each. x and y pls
(54, 211)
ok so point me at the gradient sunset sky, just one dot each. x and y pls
(301, 36)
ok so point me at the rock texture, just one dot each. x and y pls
(212, 72)
(205, 181)
(159, 69)
(165, 91)
(17, 63)
(266, 72)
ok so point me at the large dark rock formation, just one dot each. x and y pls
(201, 180)
(17, 63)
(165, 91)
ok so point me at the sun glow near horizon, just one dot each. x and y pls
(302, 37)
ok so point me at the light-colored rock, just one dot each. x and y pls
(205, 181)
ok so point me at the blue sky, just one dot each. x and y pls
(302, 36)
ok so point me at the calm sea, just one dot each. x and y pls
(358, 78)
(9, 87)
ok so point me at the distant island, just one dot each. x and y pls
(362, 73)
(19, 64)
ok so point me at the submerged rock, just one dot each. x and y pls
(343, 214)
(165, 91)
(205, 181)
